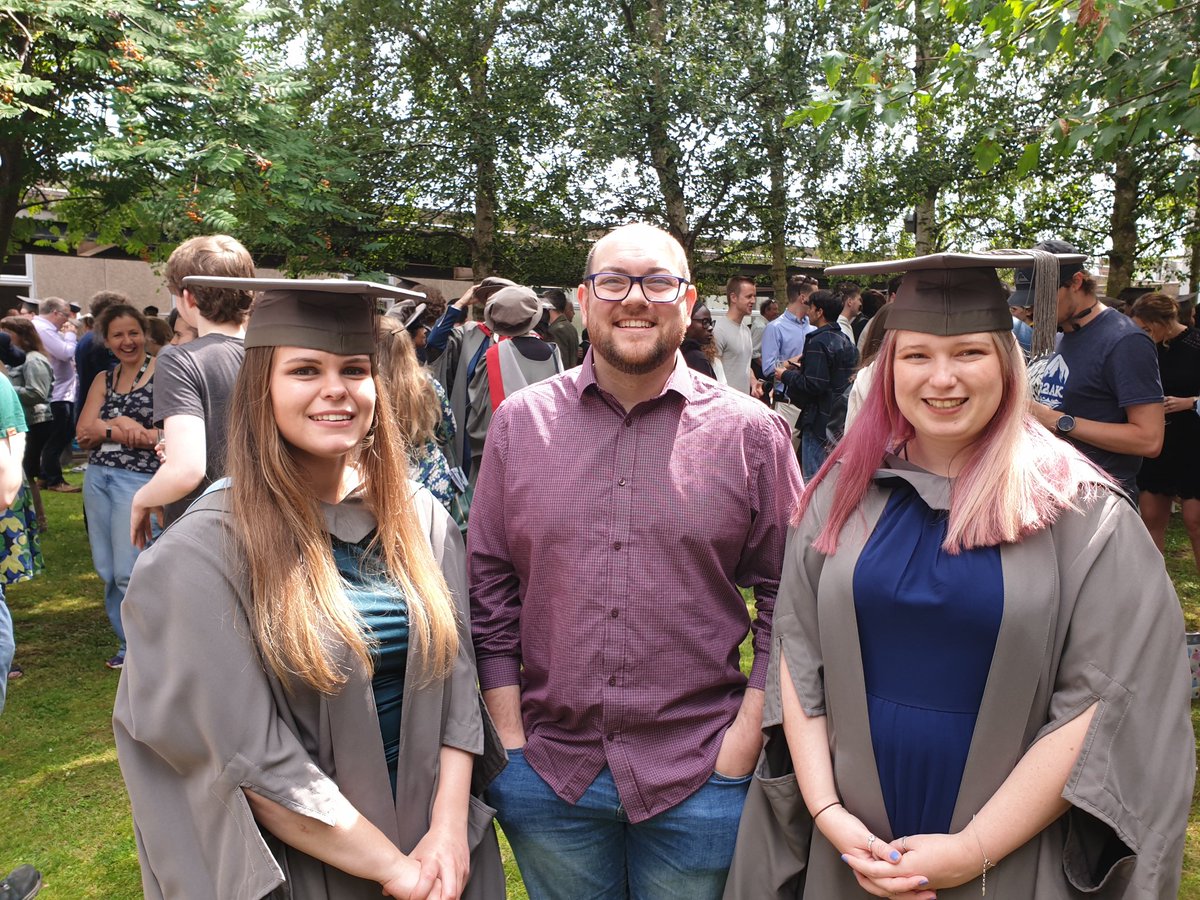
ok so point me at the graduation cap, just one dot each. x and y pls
(408, 312)
(316, 313)
(29, 303)
(960, 293)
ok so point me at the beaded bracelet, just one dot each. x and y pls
(987, 863)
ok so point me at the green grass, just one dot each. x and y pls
(60, 787)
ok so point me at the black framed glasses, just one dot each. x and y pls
(710, 323)
(615, 286)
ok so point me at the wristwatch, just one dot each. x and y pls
(108, 433)
(1065, 424)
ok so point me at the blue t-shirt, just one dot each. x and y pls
(1096, 373)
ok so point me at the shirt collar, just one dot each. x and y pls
(681, 380)
(933, 489)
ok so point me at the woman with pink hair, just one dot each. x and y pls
(974, 650)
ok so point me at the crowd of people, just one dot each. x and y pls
(383, 567)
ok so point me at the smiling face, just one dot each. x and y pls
(323, 403)
(948, 388)
(124, 337)
(634, 336)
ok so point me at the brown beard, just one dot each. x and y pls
(606, 347)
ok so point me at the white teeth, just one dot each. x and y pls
(945, 404)
(332, 417)
(634, 323)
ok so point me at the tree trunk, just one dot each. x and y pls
(926, 214)
(776, 217)
(1193, 241)
(12, 164)
(664, 153)
(483, 154)
(1126, 183)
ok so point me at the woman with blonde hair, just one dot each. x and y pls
(972, 660)
(298, 711)
(422, 410)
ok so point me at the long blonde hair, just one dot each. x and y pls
(414, 399)
(299, 611)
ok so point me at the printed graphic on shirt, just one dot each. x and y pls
(1054, 382)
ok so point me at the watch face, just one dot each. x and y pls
(1065, 424)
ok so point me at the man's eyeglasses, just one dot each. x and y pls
(615, 286)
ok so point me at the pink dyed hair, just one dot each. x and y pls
(1018, 479)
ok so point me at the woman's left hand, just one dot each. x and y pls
(1178, 404)
(947, 860)
(443, 852)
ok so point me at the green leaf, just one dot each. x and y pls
(1195, 78)
(832, 64)
(987, 154)
(1029, 159)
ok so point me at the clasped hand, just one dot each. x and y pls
(442, 866)
(908, 868)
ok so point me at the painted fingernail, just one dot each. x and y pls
(844, 857)
(923, 882)
(894, 856)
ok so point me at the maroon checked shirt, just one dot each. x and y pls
(605, 554)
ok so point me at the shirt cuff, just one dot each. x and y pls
(758, 671)
(505, 671)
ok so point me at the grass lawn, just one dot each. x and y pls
(59, 781)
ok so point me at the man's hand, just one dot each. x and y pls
(1044, 414)
(504, 706)
(1178, 404)
(743, 739)
(466, 299)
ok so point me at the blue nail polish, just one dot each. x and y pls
(844, 857)
(894, 856)
(923, 882)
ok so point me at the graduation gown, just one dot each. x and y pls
(1090, 616)
(199, 717)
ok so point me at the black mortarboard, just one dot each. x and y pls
(319, 314)
(31, 303)
(953, 293)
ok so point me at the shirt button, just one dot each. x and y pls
(610, 736)
(628, 421)
(612, 680)
(615, 613)
(616, 545)
(621, 482)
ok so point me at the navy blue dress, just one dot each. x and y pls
(927, 626)
(385, 613)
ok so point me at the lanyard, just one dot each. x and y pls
(136, 378)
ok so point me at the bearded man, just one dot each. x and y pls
(621, 507)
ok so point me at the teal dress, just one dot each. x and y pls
(385, 614)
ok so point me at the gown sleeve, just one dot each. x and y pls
(197, 720)
(1124, 650)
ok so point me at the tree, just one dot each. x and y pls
(453, 112)
(1117, 80)
(161, 119)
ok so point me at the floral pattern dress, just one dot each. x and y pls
(429, 465)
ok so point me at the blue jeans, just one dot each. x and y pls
(7, 647)
(590, 851)
(108, 500)
(814, 450)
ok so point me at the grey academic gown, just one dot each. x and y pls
(1089, 616)
(198, 717)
